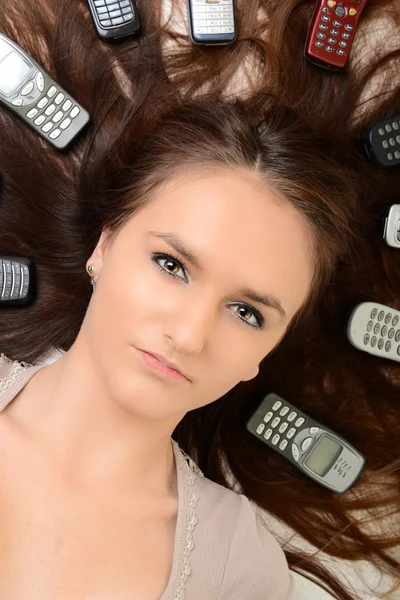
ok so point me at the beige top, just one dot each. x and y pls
(222, 550)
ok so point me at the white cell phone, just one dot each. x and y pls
(31, 94)
(17, 281)
(391, 230)
(212, 22)
(375, 328)
(314, 449)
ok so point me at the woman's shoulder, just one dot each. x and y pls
(253, 564)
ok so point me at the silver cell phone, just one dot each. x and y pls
(17, 281)
(31, 94)
(114, 19)
(315, 450)
(391, 230)
(212, 22)
(382, 142)
(375, 328)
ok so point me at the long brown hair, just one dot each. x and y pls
(157, 102)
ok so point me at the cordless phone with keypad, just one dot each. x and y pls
(114, 19)
(212, 22)
(332, 32)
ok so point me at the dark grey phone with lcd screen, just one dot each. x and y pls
(31, 94)
(314, 449)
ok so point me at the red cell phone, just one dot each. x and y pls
(332, 32)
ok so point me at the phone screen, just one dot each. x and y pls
(13, 70)
(323, 456)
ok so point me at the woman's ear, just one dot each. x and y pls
(97, 257)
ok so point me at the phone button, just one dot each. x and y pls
(329, 48)
(32, 113)
(348, 27)
(42, 103)
(283, 444)
(54, 134)
(40, 81)
(52, 91)
(319, 44)
(268, 416)
(283, 427)
(268, 434)
(292, 416)
(295, 452)
(336, 24)
(290, 433)
(74, 112)
(17, 102)
(340, 11)
(40, 120)
(275, 439)
(299, 421)
(27, 88)
(284, 411)
(275, 422)
(306, 444)
(277, 405)
(314, 429)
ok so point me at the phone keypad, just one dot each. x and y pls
(14, 280)
(213, 16)
(283, 424)
(389, 139)
(60, 109)
(337, 33)
(383, 331)
(112, 13)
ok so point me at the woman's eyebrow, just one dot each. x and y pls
(175, 242)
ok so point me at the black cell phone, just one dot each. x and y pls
(31, 94)
(382, 142)
(17, 281)
(332, 31)
(212, 22)
(115, 19)
(314, 449)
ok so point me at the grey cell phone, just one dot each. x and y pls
(31, 94)
(391, 230)
(314, 449)
(375, 328)
(17, 281)
(212, 22)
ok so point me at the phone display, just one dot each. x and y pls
(17, 281)
(212, 22)
(314, 449)
(31, 94)
(114, 19)
(332, 32)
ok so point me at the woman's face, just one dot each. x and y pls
(185, 278)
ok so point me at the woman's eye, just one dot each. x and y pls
(169, 264)
(250, 317)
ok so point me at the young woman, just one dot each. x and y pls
(213, 233)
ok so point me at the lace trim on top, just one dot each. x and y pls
(191, 472)
(16, 370)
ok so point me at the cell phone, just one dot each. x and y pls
(114, 19)
(375, 328)
(212, 22)
(315, 450)
(17, 281)
(391, 230)
(332, 32)
(382, 142)
(31, 94)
